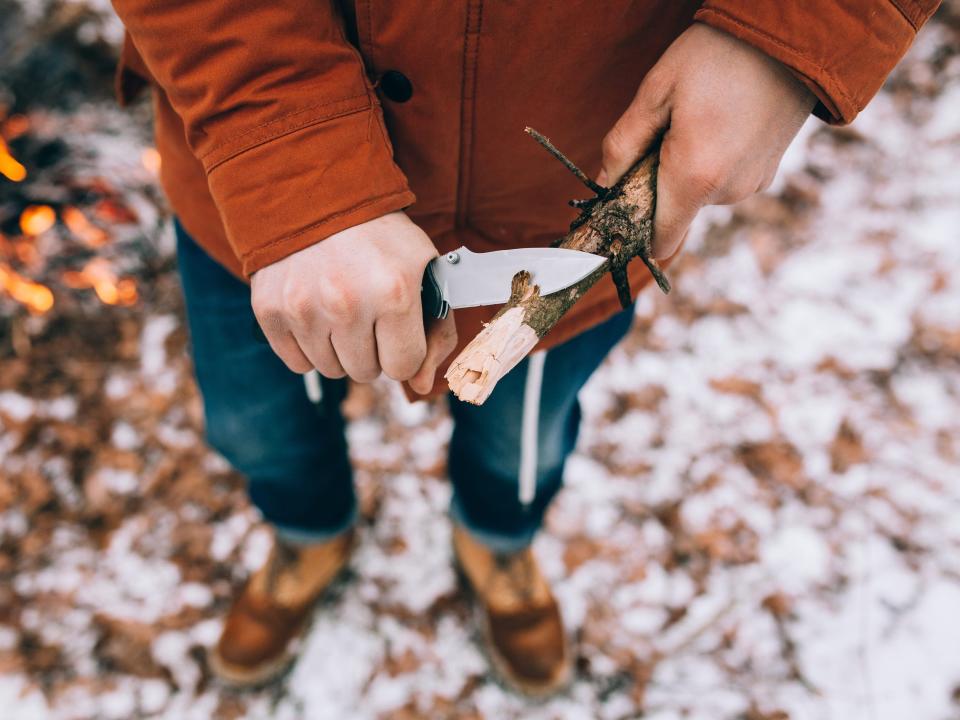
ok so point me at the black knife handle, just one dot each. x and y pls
(431, 297)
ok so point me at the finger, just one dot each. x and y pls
(285, 346)
(635, 131)
(356, 349)
(441, 341)
(319, 350)
(678, 202)
(401, 345)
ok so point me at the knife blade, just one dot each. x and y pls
(463, 278)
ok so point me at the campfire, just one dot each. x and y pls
(58, 229)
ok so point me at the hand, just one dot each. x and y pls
(730, 112)
(350, 305)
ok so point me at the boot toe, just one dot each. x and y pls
(530, 648)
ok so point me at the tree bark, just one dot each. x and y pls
(617, 225)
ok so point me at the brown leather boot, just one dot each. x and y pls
(520, 619)
(272, 609)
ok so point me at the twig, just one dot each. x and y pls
(600, 190)
(618, 226)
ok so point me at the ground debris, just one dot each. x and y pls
(760, 523)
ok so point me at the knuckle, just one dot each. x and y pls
(655, 87)
(614, 145)
(706, 179)
(397, 293)
(269, 316)
(338, 301)
(297, 303)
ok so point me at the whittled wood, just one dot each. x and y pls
(619, 227)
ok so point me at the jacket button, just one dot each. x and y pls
(396, 86)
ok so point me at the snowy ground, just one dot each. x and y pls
(762, 521)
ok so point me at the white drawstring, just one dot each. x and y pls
(311, 381)
(530, 426)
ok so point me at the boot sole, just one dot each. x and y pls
(245, 678)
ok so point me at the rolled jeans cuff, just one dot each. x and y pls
(513, 542)
(312, 536)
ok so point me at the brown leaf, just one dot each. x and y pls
(777, 604)
(646, 398)
(578, 551)
(755, 713)
(774, 461)
(733, 385)
(846, 449)
(124, 646)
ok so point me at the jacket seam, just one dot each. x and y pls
(463, 99)
(468, 114)
(312, 226)
(838, 87)
(233, 139)
(912, 18)
(370, 26)
(288, 131)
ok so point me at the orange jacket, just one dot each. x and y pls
(281, 122)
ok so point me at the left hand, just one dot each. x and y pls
(731, 112)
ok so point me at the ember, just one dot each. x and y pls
(37, 219)
(15, 126)
(99, 275)
(80, 226)
(10, 168)
(36, 297)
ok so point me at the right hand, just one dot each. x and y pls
(350, 305)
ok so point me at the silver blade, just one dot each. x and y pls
(468, 279)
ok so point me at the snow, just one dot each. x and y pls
(763, 515)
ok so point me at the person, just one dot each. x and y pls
(318, 153)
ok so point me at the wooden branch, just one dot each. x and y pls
(618, 225)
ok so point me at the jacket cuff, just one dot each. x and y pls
(282, 188)
(840, 49)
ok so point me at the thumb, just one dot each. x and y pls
(441, 341)
(630, 137)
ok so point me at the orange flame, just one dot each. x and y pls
(37, 219)
(15, 126)
(98, 274)
(9, 167)
(83, 228)
(37, 298)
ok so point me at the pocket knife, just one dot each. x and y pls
(463, 278)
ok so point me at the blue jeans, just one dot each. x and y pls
(295, 458)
